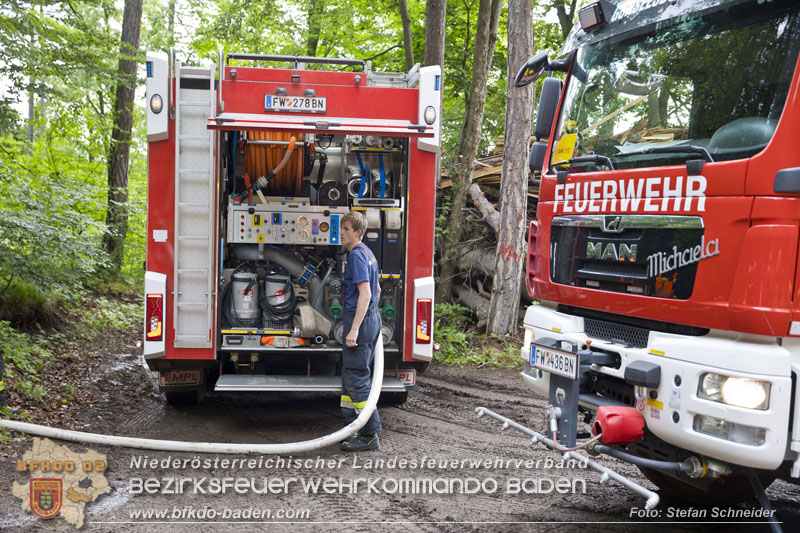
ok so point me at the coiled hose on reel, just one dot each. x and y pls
(261, 158)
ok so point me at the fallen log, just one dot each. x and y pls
(482, 261)
(474, 301)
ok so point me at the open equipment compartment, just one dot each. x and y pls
(250, 172)
(281, 260)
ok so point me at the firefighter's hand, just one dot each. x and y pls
(351, 338)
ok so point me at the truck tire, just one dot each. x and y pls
(184, 397)
(725, 491)
(393, 398)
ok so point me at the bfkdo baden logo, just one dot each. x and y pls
(46, 497)
(61, 482)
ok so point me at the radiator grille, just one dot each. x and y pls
(620, 268)
(613, 332)
(632, 234)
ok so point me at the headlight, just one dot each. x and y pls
(156, 104)
(740, 392)
(430, 115)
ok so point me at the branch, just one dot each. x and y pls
(7, 284)
(382, 53)
(489, 213)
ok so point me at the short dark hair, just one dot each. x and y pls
(357, 220)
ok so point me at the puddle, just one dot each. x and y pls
(118, 497)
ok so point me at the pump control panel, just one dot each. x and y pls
(284, 223)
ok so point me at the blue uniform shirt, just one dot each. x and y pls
(361, 266)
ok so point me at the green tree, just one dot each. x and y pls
(485, 35)
(119, 150)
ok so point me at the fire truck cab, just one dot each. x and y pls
(664, 257)
(250, 170)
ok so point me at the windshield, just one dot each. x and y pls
(710, 87)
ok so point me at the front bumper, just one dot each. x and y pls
(683, 359)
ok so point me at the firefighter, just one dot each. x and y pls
(362, 325)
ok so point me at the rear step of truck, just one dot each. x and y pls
(247, 382)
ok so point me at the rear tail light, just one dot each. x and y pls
(154, 330)
(424, 326)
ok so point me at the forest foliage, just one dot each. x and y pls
(62, 55)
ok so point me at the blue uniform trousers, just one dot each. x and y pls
(356, 369)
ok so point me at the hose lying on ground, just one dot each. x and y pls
(218, 447)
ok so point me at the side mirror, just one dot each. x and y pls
(548, 102)
(532, 70)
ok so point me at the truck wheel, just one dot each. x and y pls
(184, 397)
(393, 398)
(724, 491)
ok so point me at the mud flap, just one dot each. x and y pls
(183, 387)
(182, 380)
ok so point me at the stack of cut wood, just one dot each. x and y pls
(487, 172)
(477, 257)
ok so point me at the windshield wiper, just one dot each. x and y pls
(591, 158)
(561, 175)
(674, 149)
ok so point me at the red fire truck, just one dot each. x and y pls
(664, 257)
(250, 169)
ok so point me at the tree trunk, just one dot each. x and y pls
(511, 241)
(435, 11)
(488, 13)
(493, 22)
(408, 44)
(315, 9)
(565, 16)
(31, 104)
(119, 150)
(31, 112)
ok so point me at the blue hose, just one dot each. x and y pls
(364, 174)
(383, 175)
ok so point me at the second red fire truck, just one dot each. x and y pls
(250, 169)
(665, 251)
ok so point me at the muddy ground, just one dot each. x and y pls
(437, 422)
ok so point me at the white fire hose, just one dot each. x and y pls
(218, 447)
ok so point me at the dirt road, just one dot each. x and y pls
(435, 437)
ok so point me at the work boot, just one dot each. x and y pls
(361, 443)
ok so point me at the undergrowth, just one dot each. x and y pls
(27, 351)
(461, 345)
(24, 355)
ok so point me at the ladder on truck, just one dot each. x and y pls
(194, 288)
